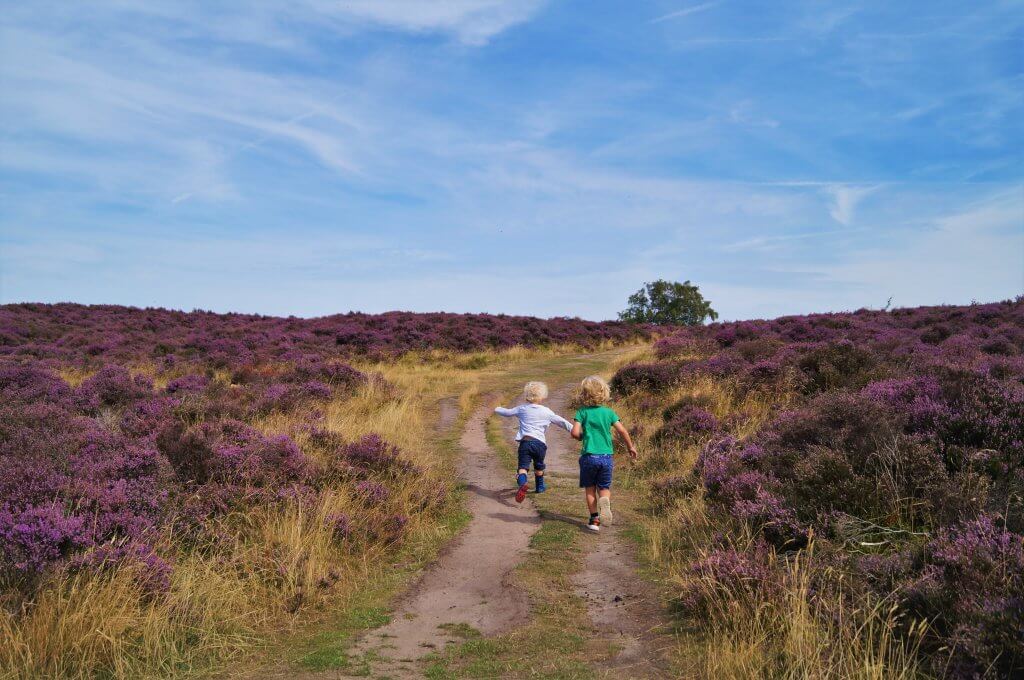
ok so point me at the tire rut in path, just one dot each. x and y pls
(469, 584)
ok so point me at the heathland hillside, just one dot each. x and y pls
(72, 333)
(831, 495)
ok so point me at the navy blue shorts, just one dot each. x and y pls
(531, 450)
(596, 471)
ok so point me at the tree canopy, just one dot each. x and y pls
(668, 303)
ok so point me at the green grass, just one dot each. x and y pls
(329, 646)
(461, 630)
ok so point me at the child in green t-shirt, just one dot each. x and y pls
(594, 424)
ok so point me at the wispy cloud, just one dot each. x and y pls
(474, 22)
(686, 11)
(845, 199)
(762, 242)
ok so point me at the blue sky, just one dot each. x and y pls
(529, 156)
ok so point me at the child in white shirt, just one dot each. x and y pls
(534, 419)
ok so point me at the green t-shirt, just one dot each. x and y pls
(597, 424)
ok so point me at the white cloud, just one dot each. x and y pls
(765, 242)
(845, 198)
(686, 11)
(474, 22)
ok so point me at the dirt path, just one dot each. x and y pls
(468, 584)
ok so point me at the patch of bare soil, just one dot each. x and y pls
(448, 413)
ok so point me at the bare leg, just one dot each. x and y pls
(591, 492)
(604, 505)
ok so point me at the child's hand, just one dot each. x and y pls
(633, 454)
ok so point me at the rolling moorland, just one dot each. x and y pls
(835, 495)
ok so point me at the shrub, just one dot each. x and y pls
(727, 575)
(36, 536)
(653, 377)
(187, 384)
(971, 589)
(28, 384)
(112, 386)
(688, 424)
(837, 365)
(150, 570)
(905, 438)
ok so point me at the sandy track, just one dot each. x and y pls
(469, 583)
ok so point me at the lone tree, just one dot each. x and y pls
(668, 302)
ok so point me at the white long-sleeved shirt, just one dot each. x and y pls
(533, 420)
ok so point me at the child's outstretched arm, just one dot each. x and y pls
(623, 433)
(506, 412)
(556, 419)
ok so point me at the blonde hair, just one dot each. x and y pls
(535, 391)
(594, 390)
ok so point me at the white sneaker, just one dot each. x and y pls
(604, 509)
(594, 524)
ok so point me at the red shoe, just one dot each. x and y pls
(521, 493)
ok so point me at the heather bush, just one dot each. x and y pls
(687, 424)
(837, 365)
(971, 588)
(727, 575)
(35, 536)
(112, 386)
(681, 345)
(29, 384)
(722, 365)
(150, 570)
(335, 374)
(187, 384)
(232, 453)
(699, 400)
(368, 456)
(653, 377)
(340, 525)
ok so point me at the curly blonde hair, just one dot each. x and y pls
(535, 391)
(594, 391)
